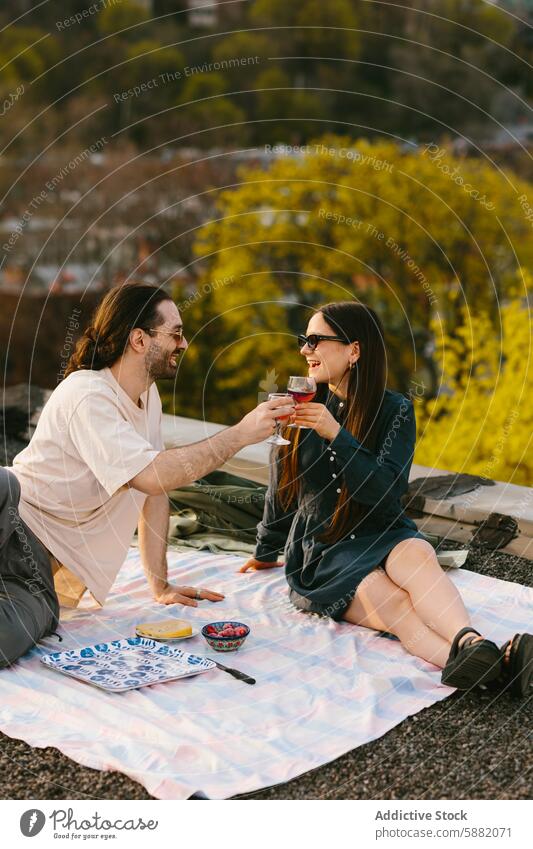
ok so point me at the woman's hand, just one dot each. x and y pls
(258, 564)
(318, 418)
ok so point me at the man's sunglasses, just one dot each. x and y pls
(177, 334)
(314, 338)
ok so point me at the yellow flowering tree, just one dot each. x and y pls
(482, 420)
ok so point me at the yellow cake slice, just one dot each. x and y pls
(166, 629)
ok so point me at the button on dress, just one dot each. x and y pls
(323, 577)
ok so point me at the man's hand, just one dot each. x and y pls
(172, 594)
(257, 565)
(318, 418)
(259, 424)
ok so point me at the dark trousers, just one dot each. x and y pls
(29, 609)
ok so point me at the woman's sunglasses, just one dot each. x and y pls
(314, 338)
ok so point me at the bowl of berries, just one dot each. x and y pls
(225, 636)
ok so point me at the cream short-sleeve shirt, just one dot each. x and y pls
(90, 440)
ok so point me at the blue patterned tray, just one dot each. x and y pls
(127, 664)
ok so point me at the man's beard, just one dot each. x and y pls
(157, 363)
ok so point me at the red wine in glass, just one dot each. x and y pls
(301, 397)
(302, 389)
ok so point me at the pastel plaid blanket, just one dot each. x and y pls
(322, 688)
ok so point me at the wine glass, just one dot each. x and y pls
(302, 389)
(277, 438)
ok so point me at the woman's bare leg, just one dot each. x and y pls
(412, 565)
(380, 604)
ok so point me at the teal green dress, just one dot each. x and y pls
(323, 577)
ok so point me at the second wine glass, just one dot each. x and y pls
(277, 438)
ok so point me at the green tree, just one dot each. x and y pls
(204, 106)
(283, 109)
(148, 59)
(154, 70)
(240, 45)
(113, 19)
(25, 53)
(314, 28)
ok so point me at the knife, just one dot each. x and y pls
(241, 676)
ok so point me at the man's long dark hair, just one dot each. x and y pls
(366, 385)
(120, 311)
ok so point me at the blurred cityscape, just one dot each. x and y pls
(130, 164)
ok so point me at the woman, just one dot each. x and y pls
(334, 504)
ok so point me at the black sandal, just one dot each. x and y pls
(473, 663)
(517, 672)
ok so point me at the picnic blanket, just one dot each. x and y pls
(323, 688)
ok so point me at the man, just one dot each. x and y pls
(96, 468)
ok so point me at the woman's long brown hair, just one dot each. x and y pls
(366, 385)
(120, 311)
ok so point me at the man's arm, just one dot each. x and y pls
(180, 466)
(153, 532)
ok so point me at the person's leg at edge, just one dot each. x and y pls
(413, 566)
(28, 606)
(9, 499)
(383, 606)
(24, 620)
